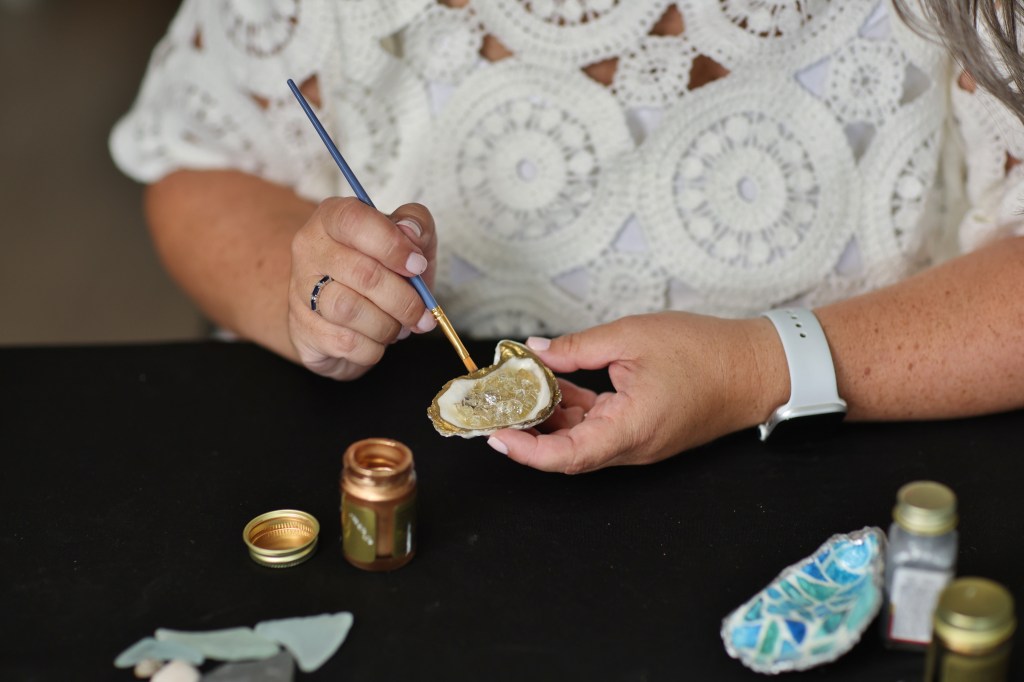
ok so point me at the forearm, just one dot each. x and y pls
(225, 237)
(946, 343)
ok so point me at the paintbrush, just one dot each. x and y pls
(416, 281)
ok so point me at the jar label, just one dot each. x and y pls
(912, 600)
(405, 528)
(358, 531)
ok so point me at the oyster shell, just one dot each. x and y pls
(517, 392)
(815, 610)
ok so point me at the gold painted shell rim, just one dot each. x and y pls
(503, 352)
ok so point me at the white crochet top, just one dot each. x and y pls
(837, 155)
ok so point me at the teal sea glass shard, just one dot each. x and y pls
(808, 616)
(310, 640)
(148, 647)
(231, 644)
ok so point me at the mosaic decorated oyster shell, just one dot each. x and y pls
(516, 392)
(815, 610)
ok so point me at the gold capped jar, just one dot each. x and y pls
(973, 626)
(378, 504)
(920, 561)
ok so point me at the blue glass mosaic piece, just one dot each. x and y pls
(815, 610)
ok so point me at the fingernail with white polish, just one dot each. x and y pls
(427, 322)
(413, 228)
(497, 445)
(416, 263)
(404, 334)
(538, 343)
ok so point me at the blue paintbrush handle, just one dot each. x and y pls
(417, 281)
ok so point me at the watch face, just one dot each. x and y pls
(804, 432)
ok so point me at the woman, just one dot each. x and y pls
(604, 167)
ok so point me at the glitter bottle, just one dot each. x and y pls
(920, 561)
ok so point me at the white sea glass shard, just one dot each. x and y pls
(815, 610)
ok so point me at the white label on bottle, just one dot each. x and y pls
(915, 591)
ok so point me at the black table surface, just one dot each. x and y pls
(130, 471)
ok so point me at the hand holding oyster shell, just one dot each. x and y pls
(516, 392)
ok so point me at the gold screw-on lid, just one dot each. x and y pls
(974, 615)
(281, 538)
(925, 508)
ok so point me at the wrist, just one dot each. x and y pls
(764, 384)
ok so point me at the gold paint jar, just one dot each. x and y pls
(973, 629)
(378, 504)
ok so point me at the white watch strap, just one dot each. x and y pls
(812, 376)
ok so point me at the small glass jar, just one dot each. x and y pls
(920, 562)
(973, 629)
(378, 504)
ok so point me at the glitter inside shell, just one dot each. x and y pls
(516, 392)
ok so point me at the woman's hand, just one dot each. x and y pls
(368, 303)
(680, 380)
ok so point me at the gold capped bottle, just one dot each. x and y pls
(973, 629)
(920, 561)
(378, 504)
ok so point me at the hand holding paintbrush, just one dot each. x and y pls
(417, 282)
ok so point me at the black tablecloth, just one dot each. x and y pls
(128, 474)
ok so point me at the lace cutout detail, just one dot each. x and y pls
(263, 44)
(734, 198)
(865, 81)
(570, 33)
(994, 132)
(522, 167)
(210, 125)
(908, 199)
(372, 20)
(655, 73)
(380, 124)
(444, 45)
(301, 154)
(624, 284)
(786, 33)
(506, 311)
(893, 235)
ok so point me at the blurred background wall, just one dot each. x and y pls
(76, 265)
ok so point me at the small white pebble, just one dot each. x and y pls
(177, 671)
(147, 667)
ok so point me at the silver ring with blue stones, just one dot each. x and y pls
(315, 296)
